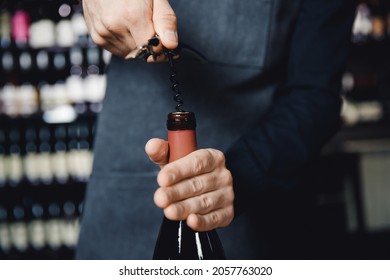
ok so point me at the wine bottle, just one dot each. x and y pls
(18, 229)
(177, 241)
(3, 173)
(5, 235)
(36, 228)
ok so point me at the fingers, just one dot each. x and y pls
(206, 212)
(202, 204)
(216, 219)
(128, 24)
(190, 187)
(165, 23)
(196, 163)
(197, 188)
(157, 150)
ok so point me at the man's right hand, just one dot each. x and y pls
(120, 26)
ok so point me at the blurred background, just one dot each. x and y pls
(52, 83)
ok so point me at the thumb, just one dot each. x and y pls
(157, 150)
(165, 23)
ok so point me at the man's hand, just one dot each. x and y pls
(197, 188)
(122, 25)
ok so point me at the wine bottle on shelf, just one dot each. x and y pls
(52, 227)
(42, 64)
(5, 236)
(58, 158)
(20, 27)
(69, 225)
(177, 241)
(36, 228)
(31, 168)
(26, 66)
(9, 68)
(79, 155)
(85, 157)
(3, 174)
(61, 64)
(18, 229)
(45, 167)
(5, 29)
(14, 162)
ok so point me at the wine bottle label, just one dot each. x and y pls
(75, 89)
(19, 235)
(78, 25)
(53, 233)
(69, 232)
(60, 95)
(31, 167)
(5, 29)
(85, 163)
(42, 34)
(79, 161)
(107, 56)
(9, 94)
(59, 166)
(65, 36)
(28, 99)
(72, 163)
(3, 175)
(94, 86)
(36, 230)
(20, 27)
(14, 167)
(44, 165)
(5, 237)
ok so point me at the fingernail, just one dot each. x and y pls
(170, 36)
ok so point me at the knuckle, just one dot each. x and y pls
(215, 218)
(111, 27)
(227, 175)
(197, 185)
(103, 31)
(197, 163)
(207, 202)
(98, 40)
(231, 195)
(218, 156)
(212, 179)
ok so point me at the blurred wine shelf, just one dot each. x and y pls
(52, 84)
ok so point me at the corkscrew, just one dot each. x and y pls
(147, 50)
(175, 84)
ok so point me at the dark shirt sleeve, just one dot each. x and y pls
(305, 113)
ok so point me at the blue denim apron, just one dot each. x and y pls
(244, 41)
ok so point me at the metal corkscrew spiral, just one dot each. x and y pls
(175, 83)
